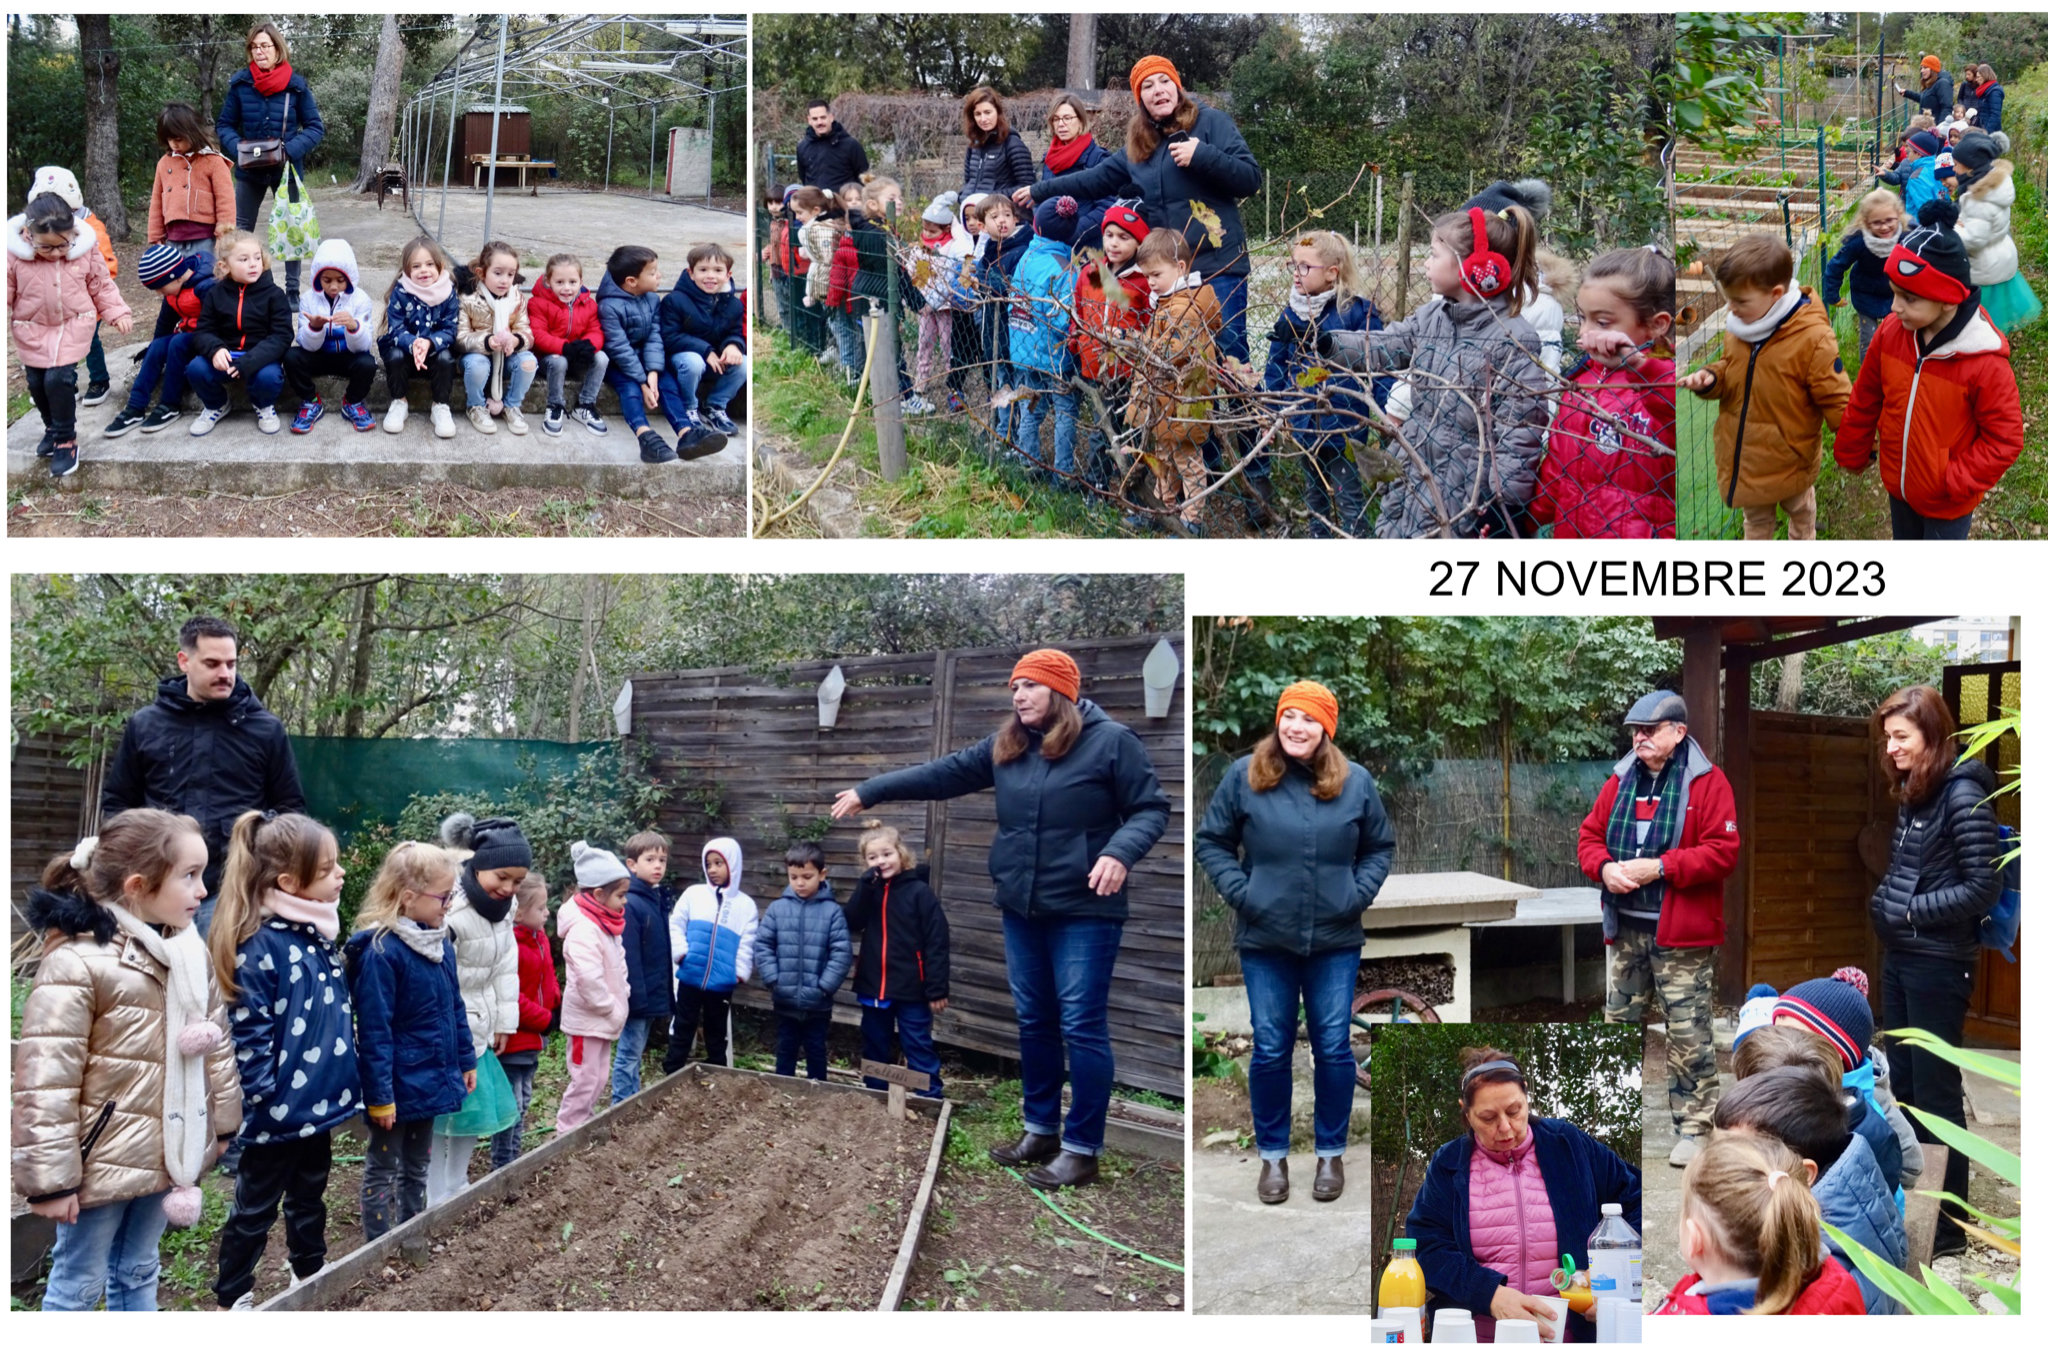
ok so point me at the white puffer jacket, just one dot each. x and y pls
(487, 968)
(1984, 222)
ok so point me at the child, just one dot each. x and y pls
(1917, 176)
(334, 337)
(1602, 479)
(1323, 298)
(1009, 238)
(1467, 345)
(192, 198)
(279, 968)
(57, 290)
(182, 282)
(874, 256)
(420, 317)
(568, 337)
(650, 961)
(804, 954)
(1873, 230)
(703, 328)
(1041, 285)
(844, 312)
(627, 308)
(62, 183)
(486, 959)
(244, 331)
(1112, 301)
(495, 341)
(595, 994)
(711, 932)
(1749, 1231)
(936, 263)
(1984, 197)
(814, 210)
(540, 994)
(413, 1048)
(1835, 1009)
(1778, 380)
(905, 964)
(1935, 403)
(123, 1030)
(1175, 371)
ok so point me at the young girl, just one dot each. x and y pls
(1324, 298)
(1873, 230)
(905, 964)
(192, 198)
(245, 327)
(124, 1074)
(420, 315)
(58, 289)
(941, 250)
(1984, 197)
(875, 256)
(1468, 347)
(1602, 479)
(1112, 301)
(845, 311)
(495, 341)
(413, 1050)
(567, 337)
(815, 211)
(335, 321)
(1749, 1230)
(281, 974)
(540, 992)
(596, 995)
(62, 183)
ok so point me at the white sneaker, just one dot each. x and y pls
(266, 421)
(1685, 1151)
(208, 419)
(444, 422)
(916, 406)
(395, 415)
(481, 420)
(245, 1304)
(515, 421)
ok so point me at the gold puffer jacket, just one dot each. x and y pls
(91, 1055)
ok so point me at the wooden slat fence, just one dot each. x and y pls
(52, 805)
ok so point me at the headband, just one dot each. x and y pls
(1503, 1064)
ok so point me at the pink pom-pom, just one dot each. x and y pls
(182, 1206)
(1066, 206)
(198, 1038)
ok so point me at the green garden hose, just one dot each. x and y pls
(1047, 1199)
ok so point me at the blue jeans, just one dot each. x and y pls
(1064, 408)
(632, 1046)
(1280, 988)
(264, 385)
(520, 369)
(1335, 493)
(688, 370)
(110, 1253)
(632, 402)
(908, 1022)
(165, 360)
(1059, 968)
(1221, 454)
(803, 1033)
(96, 359)
(853, 347)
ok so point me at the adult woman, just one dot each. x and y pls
(1490, 1222)
(1317, 846)
(1074, 148)
(1941, 881)
(1967, 103)
(1077, 805)
(1178, 152)
(1936, 95)
(1988, 97)
(267, 100)
(997, 159)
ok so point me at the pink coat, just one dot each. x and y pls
(595, 995)
(1513, 1228)
(54, 306)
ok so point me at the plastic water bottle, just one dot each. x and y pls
(1616, 1252)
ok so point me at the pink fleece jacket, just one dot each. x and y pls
(1513, 1229)
(596, 995)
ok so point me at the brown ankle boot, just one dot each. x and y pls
(1273, 1181)
(1064, 1170)
(1329, 1178)
(1029, 1150)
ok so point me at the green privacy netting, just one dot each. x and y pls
(350, 783)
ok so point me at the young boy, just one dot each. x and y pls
(1103, 316)
(540, 994)
(1176, 364)
(627, 308)
(1935, 401)
(568, 338)
(904, 969)
(846, 311)
(874, 256)
(1009, 237)
(182, 282)
(650, 962)
(804, 955)
(703, 328)
(1767, 438)
(1038, 319)
(711, 934)
(1837, 1009)
(334, 336)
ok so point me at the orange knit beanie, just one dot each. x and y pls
(1053, 669)
(1313, 700)
(1150, 66)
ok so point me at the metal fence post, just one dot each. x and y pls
(1820, 151)
(882, 371)
(1403, 224)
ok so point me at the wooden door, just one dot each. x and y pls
(1976, 693)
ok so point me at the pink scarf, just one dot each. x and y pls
(433, 295)
(324, 916)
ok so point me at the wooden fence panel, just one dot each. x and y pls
(51, 808)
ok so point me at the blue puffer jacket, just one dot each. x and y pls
(294, 1038)
(1918, 186)
(244, 114)
(1292, 352)
(632, 331)
(1043, 286)
(412, 1033)
(407, 318)
(692, 320)
(803, 952)
(1853, 1197)
(649, 963)
(1868, 1122)
(999, 261)
(1870, 289)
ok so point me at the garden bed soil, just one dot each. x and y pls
(724, 1192)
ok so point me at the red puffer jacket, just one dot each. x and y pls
(1943, 426)
(1832, 1293)
(555, 326)
(1096, 317)
(845, 265)
(540, 990)
(1693, 870)
(1598, 482)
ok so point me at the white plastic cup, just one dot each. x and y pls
(1384, 1333)
(1454, 1327)
(1553, 1332)
(1409, 1320)
(1631, 1315)
(1515, 1332)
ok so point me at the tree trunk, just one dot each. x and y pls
(359, 674)
(1081, 52)
(583, 658)
(1791, 681)
(206, 57)
(383, 115)
(102, 67)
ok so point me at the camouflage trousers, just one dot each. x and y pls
(1177, 473)
(1683, 979)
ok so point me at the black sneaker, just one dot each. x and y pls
(720, 423)
(552, 422)
(45, 446)
(95, 393)
(696, 443)
(654, 450)
(125, 421)
(64, 458)
(159, 417)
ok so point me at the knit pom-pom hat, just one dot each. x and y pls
(1835, 1010)
(496, 842)
(159, 265)
(1127, 217)
(1050, 668)
(1057, 219)
(1756, 1010)
(1313, 700)
(1931, 261)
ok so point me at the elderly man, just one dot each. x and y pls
(1660, 840)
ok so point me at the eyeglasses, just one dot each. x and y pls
(1301, 268)
(440, 900)
(55, 248)
(1640, 731)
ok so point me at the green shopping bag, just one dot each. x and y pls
(490, 1109)
(294, 225)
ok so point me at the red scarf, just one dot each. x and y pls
(613, 922)
(272, 81)
(1982, 89)
(1061, 156)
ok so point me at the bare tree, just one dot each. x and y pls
(383, 115)
(102, 67)
(1081, 52)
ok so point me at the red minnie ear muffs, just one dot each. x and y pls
(1485, 272)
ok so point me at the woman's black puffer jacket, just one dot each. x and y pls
(1942, 878)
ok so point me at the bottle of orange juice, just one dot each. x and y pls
(1401, 1283)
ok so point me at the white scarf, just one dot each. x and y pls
(188, 1136)
(323, 916)
(1880, 247)
(501, 321)
(1191, 280)
(1761, 329)
(428, 943)
(1309, 307)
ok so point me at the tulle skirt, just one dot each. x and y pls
(2011, 304)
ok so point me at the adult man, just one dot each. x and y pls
(828, 156)
(1660, 840)
(205, 748)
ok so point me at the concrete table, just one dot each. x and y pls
(1561, 908)
(1428, 914)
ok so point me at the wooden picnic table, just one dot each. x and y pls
(478, 164)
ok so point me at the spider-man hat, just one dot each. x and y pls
(1127, 217)
(1931, 261)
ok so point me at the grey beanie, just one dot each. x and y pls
(595, 867)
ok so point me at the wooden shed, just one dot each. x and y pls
(744, 755)
(515, 132)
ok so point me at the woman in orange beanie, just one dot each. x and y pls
(1299, 903)
(1077, 805)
